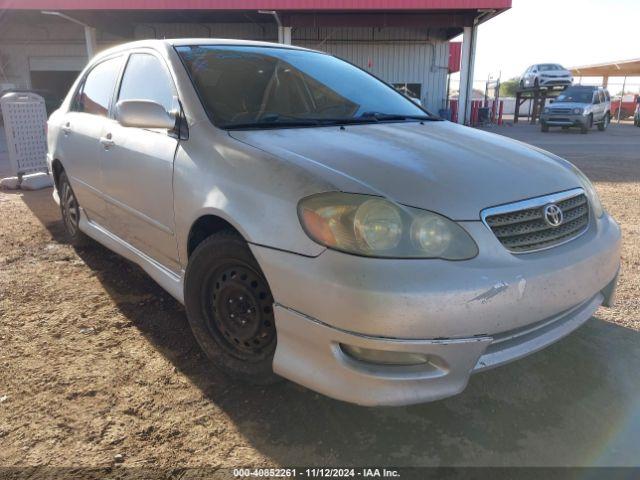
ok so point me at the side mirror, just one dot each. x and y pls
(551, 101)
(143, 114)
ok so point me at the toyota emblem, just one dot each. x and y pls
(553, 215)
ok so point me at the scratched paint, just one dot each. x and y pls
(492, 292)
(522, 286)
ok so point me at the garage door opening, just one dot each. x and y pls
(52, 85)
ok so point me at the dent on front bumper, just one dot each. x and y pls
(466, 316)
(310, 353)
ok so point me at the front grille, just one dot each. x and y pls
(558, 111)
(522, 228)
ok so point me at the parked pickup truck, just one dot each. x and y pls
(629, 102)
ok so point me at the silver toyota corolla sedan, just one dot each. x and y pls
(322, 227)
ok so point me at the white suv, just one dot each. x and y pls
(546, 75)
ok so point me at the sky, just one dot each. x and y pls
(569, 32)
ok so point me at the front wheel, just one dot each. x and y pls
(588, 125)
(230, 308)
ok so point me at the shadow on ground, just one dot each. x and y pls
(576, 403)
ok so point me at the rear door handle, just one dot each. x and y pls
(107, 141)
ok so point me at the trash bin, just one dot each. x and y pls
(483, 114)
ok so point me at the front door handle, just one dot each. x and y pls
(66, 128)
(107, 141)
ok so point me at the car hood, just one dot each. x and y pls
(439, 166)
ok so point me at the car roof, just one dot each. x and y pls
(166, 44)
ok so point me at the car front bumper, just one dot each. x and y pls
(464, 316)
(564, 120)
(548, 82)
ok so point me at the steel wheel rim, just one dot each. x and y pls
(241, 312)
(70, 212)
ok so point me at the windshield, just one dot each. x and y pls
(576, 96)
(246, 86)
(548, 67)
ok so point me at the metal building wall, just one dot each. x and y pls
(247, 31)
(397, 55)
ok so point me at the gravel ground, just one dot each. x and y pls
(97, 361)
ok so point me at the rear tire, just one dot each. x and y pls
(230, 308)
(602, 126)
(70, 210)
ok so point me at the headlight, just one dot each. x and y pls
(578, 111)
(375, 227)
(546, 110)
(592, 195)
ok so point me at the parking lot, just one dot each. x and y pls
(97, 361)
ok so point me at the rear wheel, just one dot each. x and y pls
(602, 126)
(230, 308)
(70, 210)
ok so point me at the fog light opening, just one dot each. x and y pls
(385, 357)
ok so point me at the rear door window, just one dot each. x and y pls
(146, 78)
(94, 97)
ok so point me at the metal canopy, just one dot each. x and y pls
(624, 68)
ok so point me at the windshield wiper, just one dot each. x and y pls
(398, 116)
(274, 121)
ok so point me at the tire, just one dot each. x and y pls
(230, 308)
(588, 126)
(70, 211)
(544, 128)
(602, 126)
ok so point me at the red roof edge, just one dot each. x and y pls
(292, 5)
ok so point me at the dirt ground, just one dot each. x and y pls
(97, 361)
